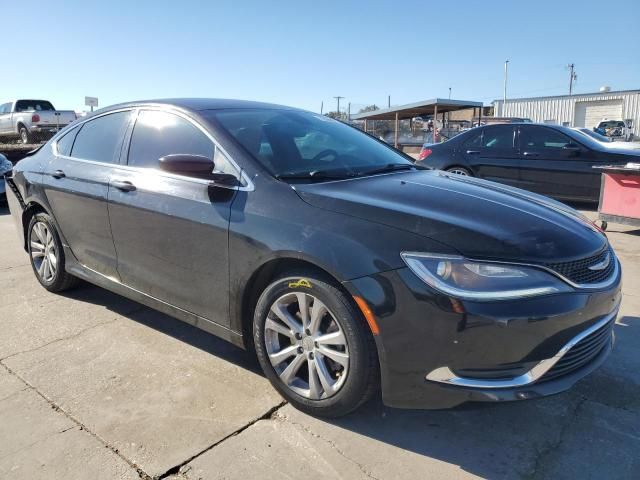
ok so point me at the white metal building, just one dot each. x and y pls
(582, 110)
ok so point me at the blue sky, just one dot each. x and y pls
(302, 52)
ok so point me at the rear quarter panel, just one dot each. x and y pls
(443, 156)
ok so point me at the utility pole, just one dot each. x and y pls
(389, 101)
(338, 107)
(349, 112)
(449, 93)
(321, 106)
(504, 94)
(573, 76)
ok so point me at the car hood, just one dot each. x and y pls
(624, 153)
(632, 146)
(479, 219)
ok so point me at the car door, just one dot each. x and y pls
(554, 164)
(492, 154)
(171, 231)
(76, 183)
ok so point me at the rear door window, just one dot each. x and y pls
(100, 139)
(498, 137)
(475, 140)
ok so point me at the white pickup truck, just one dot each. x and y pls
(32, 120)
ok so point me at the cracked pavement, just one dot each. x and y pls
(95, 386)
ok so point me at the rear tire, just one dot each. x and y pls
(459, 171)
(323, 362)
(47, 255)
(25, 135)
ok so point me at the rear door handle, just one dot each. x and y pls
(123, 185)
(58, 174)
(473, 152)
(531, 154)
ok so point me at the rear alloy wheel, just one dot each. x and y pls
(25, 136)
(47, 255)
(43, 252)
(314, 346)
(459, 171)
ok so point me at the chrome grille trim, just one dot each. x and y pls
(586, 271)
(446, 375)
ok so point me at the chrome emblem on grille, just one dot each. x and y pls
(601, 265)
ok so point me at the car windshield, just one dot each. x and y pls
(33, 105)
(583, 139)
(301, 145)
(597, 136)
(611, 124)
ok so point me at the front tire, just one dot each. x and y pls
(313, 345)
(47, 255)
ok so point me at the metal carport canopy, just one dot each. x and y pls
(426, 107)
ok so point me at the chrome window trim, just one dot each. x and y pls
(446, 375)
(79, 124)
(248, 183)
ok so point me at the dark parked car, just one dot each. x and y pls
(547, 159)
(5, 167)
(344, 265)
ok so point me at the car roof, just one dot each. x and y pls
(198, 104)
(462, 135)
(555, 126)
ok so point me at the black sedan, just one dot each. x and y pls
(347, 268)
(548, 159)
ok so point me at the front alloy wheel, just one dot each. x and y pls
(306, 346)
(314, 345)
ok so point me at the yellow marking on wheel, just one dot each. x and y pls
(303, 282)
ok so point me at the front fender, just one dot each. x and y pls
(344, 246)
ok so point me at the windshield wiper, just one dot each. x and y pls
(316, 175)
(393, 167)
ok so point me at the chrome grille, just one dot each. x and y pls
(578, 271)
(581, 353)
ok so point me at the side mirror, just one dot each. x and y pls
(189, 165)
(197, 166)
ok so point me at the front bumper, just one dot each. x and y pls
(479, 351)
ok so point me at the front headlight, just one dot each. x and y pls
(481, 281)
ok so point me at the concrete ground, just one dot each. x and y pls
(95, 386)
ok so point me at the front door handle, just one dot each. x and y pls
(473, 152)
(58, 174)
(123, 185)
(531, 154)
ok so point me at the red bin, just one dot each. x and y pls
(620, 195)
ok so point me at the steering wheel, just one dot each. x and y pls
(325, 153)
